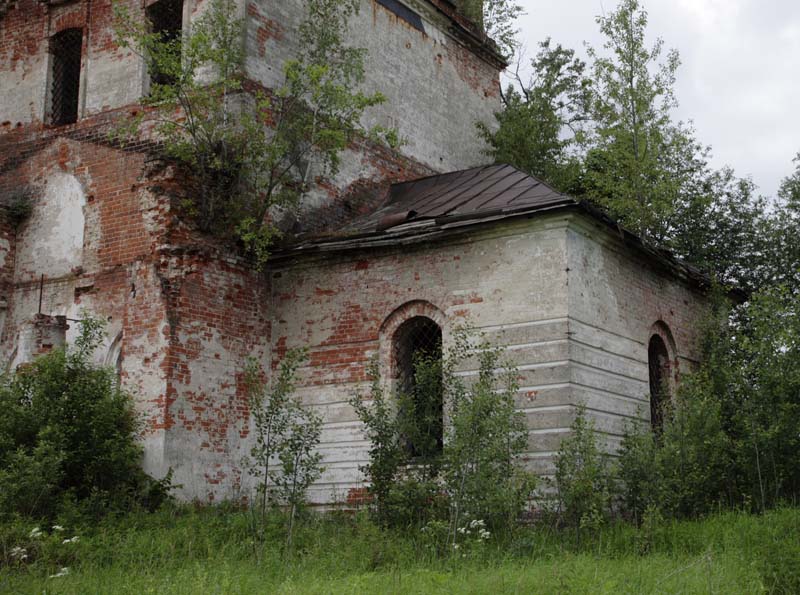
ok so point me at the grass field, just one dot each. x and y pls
(210, 551)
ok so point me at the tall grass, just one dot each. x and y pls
(182, 551)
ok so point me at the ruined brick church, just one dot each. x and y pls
(588, 313)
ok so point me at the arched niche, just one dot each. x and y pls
(50, 241)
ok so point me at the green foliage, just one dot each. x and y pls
(189, 550)
(67, 437)
(753, 369)
(476, 475)
(532, 125)
(687, 471)
(732, 435)
(287, 434)
(498, 19)
(386, 453)
(632, 99)
(483, 440)
(582, 477)
(781, 241)
(246, 152)
(638, 477)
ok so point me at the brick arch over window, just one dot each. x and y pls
(392, 322)
(662, 363)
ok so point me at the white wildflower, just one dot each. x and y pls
(462, 530)
(64, 571)
(455, 546)
(35, 533)
(20, 554)
(58, 528)
(484, 534)
(73, 540)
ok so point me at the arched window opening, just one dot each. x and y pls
(659, 364)
(417, 354)
(65, 75)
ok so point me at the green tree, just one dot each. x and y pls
(542, 124)
(246, 152)
(300, 462)
(270, 409)
(633, 134)
(782, 249)
(283, 457)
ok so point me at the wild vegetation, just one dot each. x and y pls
(187, 551)
(245, 150)
(467, 480)
(68, 439)
(700, 505)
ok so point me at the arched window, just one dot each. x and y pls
(65, 75)
(417, 355)
(659, 364)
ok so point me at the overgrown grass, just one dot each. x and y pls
(212, 551)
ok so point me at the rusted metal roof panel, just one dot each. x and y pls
(472, 193)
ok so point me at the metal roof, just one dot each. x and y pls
(477, 193)
(431, 208)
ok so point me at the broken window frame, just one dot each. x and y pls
(66, 69)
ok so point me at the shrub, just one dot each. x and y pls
(284, 456)
(477, 475)
(483, 440)
(67, 437)
(582, 479)
(386, 452)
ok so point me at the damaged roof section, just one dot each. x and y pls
(477, 193)
(433, 207)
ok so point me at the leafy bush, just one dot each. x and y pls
(484, 439)
(582, 477)
(284, 456)
(477, 475)
(67, 437)
(732, 434)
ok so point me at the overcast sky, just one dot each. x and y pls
(739, 79)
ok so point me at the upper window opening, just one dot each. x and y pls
(417, 351)
(658, 360)
(166, 20)
(65, 48)
(402, 11)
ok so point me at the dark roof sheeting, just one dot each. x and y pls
(472, 193)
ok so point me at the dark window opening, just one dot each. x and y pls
(65, 48)
(402, 11)
(166, 21)
(418, 363)
(658, 361)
